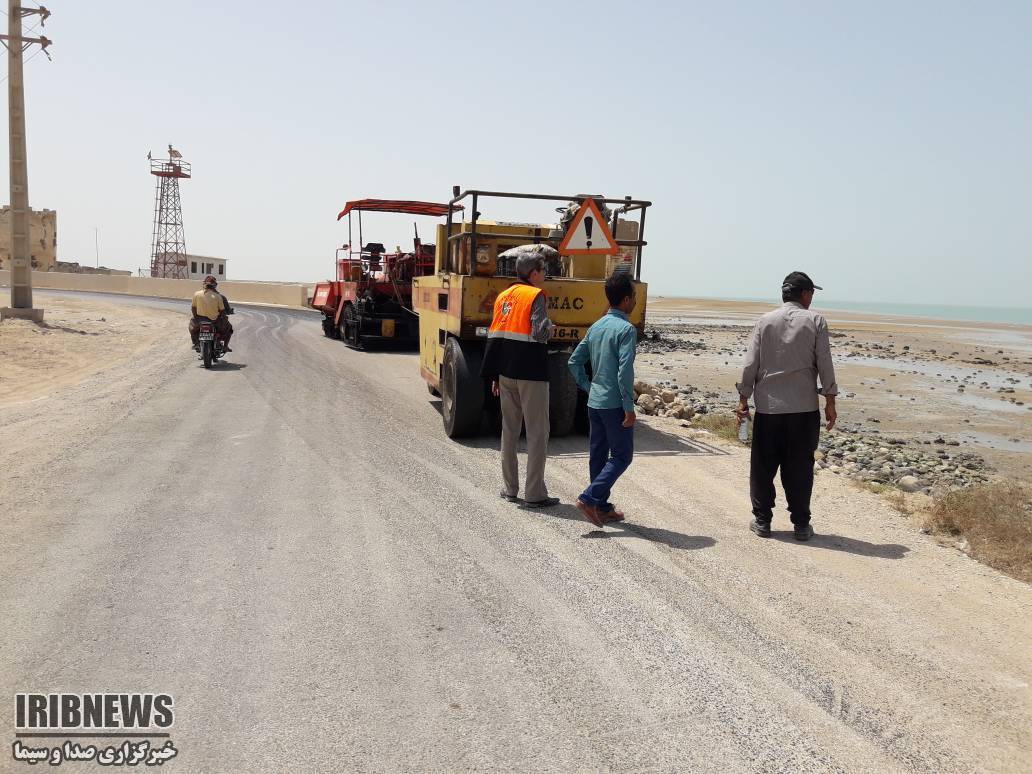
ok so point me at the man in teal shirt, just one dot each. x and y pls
(609, 346)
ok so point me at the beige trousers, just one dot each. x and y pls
(524, 402)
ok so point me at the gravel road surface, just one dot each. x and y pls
(291, 547)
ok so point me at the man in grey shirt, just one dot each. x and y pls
(788, 351)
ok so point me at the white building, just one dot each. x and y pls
(200, 266)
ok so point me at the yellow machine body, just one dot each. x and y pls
(460, 303)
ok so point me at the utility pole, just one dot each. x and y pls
(21, 267)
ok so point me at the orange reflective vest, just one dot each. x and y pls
(511, 350)
(512, 313)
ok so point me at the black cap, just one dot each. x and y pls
(797, 280)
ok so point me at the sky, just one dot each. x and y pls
(882, 147)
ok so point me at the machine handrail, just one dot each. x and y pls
(525, 237)
(624, 205)
(634, 204)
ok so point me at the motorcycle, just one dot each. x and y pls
(213, 345)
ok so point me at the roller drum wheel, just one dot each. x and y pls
(462, 389)
(562, 395)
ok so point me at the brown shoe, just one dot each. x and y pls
(613, 515)
(589, 513)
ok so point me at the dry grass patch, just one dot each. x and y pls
(898, 500)
(721, 425)
(996, 521)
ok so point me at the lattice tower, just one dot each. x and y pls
(168, 240)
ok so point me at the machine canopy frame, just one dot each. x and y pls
(402, 206)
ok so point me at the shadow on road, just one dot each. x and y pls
(392, 350)
(222, 365)
(648, 442)
(625, 529)
(656, 535)
(848, 545)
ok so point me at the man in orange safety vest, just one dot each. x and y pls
(516, 362)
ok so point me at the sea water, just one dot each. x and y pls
(998, 314)
(991, 314)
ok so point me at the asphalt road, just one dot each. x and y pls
(291, 547)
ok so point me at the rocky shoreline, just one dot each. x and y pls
(910, 464)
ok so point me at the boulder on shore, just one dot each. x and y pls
(646, 403)
(910, 484)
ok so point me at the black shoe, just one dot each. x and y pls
(196, 347)
(761, 528)
(509, 497)
(548, 502)
(803, 533)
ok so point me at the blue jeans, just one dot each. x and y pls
(612, 448)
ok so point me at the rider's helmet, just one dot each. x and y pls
(210, 281)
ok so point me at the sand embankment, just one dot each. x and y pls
(77, 339)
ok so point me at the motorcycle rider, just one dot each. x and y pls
(208, 303)
(229, 309)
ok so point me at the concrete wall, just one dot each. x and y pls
(281, 294)
(74, 267)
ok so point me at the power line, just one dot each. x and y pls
(37, 53)
(34, 55)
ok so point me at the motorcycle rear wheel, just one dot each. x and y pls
(207, 352)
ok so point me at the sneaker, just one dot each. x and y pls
(508, 497)
(548, 502)
(803, 533)
(761, 528)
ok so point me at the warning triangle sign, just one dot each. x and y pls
(589, 234)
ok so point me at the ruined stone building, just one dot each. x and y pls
(42, 239)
